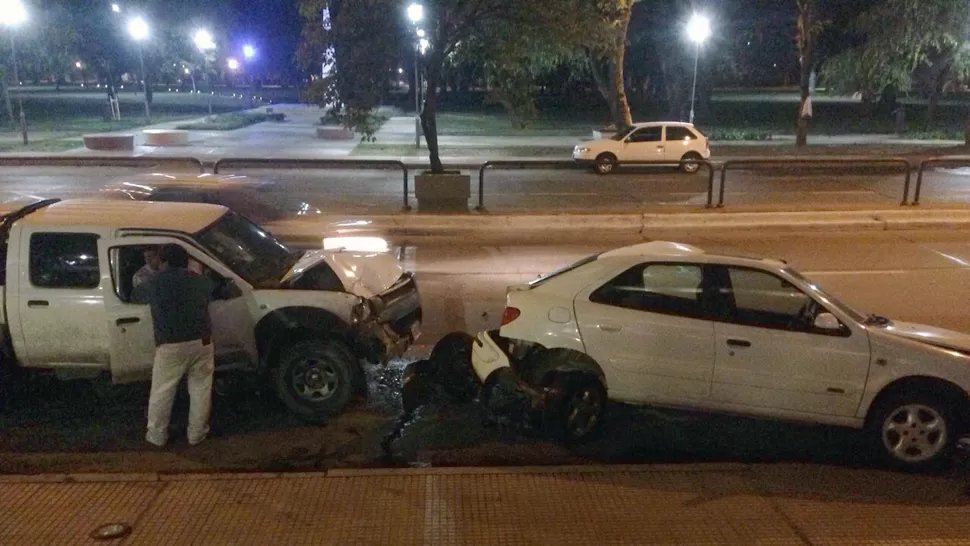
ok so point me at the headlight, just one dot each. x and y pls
(580, 150)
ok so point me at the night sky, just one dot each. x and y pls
(273, 26)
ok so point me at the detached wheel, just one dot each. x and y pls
(576, 416)
(690, 168)
(605, 163)
(315, 379)
(914, 432)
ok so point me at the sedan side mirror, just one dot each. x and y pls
(827, 321)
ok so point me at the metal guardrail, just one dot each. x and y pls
(560, 164)
(953, 161)
(98, 161)
(835, 162)
(262, 163)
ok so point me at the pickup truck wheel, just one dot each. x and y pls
(914, 432)
(315, 378)
(575, 416)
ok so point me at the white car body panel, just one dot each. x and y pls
(805, 376)
(366, 274)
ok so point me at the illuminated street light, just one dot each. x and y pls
(415, 12)
(698, 30)
(138, 29)
(415, 15)
(203, 40)
(13, 14)
(116, 8)
(232, 63)
(249, 51)
(423, 44)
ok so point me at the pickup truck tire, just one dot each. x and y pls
(316, 378)
(914, 431)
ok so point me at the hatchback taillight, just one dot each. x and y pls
(510, 314)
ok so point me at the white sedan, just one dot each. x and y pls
(668, 324)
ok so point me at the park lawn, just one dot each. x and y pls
(225, 122)
(66, 127)
(365, 149)
(499, 124)
(48, 145)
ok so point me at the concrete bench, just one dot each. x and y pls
(110, 141)
(166, 137)
(335, 133)
(278, 116)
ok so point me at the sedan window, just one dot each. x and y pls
(768, 301)
(673, 289)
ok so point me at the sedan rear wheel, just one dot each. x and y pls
(576, 416)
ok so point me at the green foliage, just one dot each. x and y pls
(225, 122)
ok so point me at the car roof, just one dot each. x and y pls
(671, 249)
(154, 181)
(656, 123)
(185, 217)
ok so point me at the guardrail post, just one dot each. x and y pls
(481, 185)
(407, 205)
(720, 197)
(919, 181)
(710, 184)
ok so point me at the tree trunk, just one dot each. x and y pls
(429, 124)
(805, 38)
(621, 114)
(599, 78)
(6, 98)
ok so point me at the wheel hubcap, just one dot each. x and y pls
(315, 381)
(584, 412)
(605, 166)
(691, 167)
(914, 433)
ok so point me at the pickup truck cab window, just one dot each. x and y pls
(64, 260)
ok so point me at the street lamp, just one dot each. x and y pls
(138, 29)
(249, 52)
(698, 30)
(116, 8)
(13, 14)
(416, 14)
(203, 41)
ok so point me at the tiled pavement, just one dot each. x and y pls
(696, 505)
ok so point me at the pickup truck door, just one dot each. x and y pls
(132, 337)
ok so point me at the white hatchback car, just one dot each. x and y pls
(668, 324)
(658, 141)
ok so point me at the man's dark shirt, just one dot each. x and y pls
(180, 305)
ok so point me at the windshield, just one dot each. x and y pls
(853, 314)
(622, 133)
(251, 252)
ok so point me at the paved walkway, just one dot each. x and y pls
(695, 505)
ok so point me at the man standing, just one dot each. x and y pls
(152, 264)
(179, 301)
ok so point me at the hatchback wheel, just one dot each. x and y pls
(691, 167)
(605, 163)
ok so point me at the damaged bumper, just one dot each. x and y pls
(503, 390)
(393, 321)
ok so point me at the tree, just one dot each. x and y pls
(807, 29)
(606, 53)
(905, 44)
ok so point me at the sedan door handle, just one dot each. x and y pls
(38, 303)
(127, 320)
(738, 343)
(610, 328)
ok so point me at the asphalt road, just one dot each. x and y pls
(94, 427)
(362, 191)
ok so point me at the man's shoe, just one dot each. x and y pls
(197, 441)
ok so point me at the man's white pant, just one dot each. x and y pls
(172, 361)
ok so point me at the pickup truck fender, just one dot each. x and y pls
(287, 324)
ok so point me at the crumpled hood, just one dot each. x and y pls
(931, 335)
(362, 273)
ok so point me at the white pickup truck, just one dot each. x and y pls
(302, 320)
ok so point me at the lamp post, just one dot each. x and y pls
(13, 14)
(233, 65)
(203, 41)
(249, 53)
(698, 30)
(416, 14)
(138, 29)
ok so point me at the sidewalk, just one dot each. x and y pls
(590, 505)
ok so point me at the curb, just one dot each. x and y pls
(368, 472)
(406, 224)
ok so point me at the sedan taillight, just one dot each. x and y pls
(510, 314)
